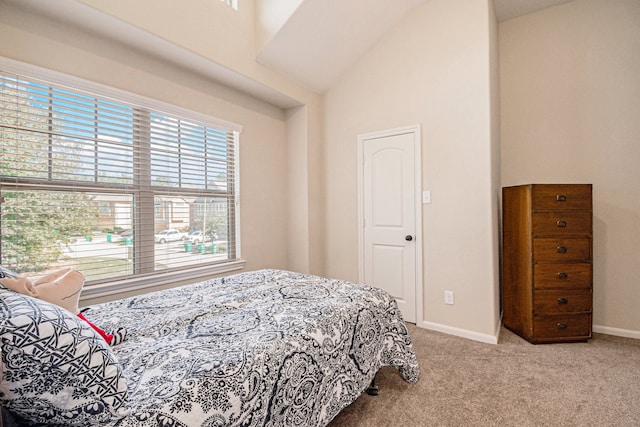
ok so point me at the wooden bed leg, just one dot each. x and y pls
(373, 388)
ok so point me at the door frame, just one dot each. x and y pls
(417, 153)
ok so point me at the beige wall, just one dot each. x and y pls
(305, 172)
(217, 33)
(571, 113)
(263, 143)
(496, 196)
(568, 93)
(298, 182)
(209, 29)
(427, 71)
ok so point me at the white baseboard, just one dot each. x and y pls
(627, 333)
(464, 333)
(493, 339)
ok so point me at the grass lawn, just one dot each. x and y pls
(95, 268)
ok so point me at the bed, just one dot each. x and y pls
(269, 347)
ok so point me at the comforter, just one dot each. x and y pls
(269, 347)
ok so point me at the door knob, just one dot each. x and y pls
(408, 237)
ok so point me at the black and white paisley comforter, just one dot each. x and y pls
(260, 348)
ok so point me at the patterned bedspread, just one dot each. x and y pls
(260, 348)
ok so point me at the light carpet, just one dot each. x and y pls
(514, 383)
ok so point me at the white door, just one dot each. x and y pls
(389, 216)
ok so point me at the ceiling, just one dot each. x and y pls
(74, 13)
(322, 38)
(315, 46)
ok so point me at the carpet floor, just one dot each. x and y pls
(514, 383)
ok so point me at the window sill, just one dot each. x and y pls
(161, 278)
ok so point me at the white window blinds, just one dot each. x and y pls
(111, 187)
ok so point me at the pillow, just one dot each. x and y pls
(12, 280)
(61, 288)
(55, 368)
(5, 272)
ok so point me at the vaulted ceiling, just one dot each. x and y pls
(314, 46)
(322, 38)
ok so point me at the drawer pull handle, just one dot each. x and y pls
(562, 249)
(562, 275)
(561, 223)
(563, 300)
(562, 325)
(561, 198)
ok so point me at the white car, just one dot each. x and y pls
(168, 235)
(197, 237)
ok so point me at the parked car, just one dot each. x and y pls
(191, 234)
(198, 237)
(169, 235)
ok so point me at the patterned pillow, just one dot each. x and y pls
(55, 368)
(5, 272)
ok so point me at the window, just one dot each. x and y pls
(115, 189)
(232, 3)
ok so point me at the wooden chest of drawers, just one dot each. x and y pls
(547, 275)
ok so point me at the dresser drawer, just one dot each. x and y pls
(561, 223)
(562, 302)
(561, 275)
(561, 197)
(574, 327)
(547, 249)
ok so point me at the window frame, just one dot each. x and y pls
(143, 280)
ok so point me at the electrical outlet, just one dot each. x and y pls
(426, 196)
(448, 297)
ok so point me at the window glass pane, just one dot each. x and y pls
(191, 230)
(47, 230)
(189, 155)
(57, 134)
(72, 123)
(165, 151)
(232, 3)
(24, 121)
(114, 142)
